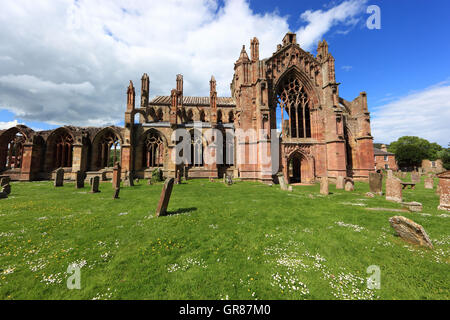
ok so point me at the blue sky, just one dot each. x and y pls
(52, 79)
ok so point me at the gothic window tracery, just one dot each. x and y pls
(153, 151)
(292, 98)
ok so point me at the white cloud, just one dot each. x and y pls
(69, 62)
(425, 114)
(319, 21)
(8, 124)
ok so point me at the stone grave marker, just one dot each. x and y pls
(166, 192)
(324, 187)
(282, 181)
(340, 182)
(393, 190)
(79, 180)
(410, 231)
(117, 171)
(59, 177)
(95, 184)
(376, 183)
(444, 191)
(349, 184)
(116, 193)
(429, 183)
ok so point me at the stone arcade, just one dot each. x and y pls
(321, 134)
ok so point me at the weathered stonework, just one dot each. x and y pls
(322, 134)
(376, 183)
(340, 182)
(410, 231)
(429, 183)
(166, 192)
(444, 188)
(324, 186)
(393, 190)
(59, 177)
(349, 184)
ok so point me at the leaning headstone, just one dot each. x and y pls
(79, 180)
(410, 231)
(324, 188)
(95, 184)
(444, 186)
(282, 181)
(117, 171)
(376, 183)
(393, 190)
(429, 183)
(59, 177)
(161, 210)
(349, 184)
(413, 206)
(116, 193)
(340, 182)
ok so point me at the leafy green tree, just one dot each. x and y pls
(410, 151)
(444, 155)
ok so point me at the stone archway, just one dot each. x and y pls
(298, 165)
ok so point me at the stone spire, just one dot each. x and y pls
(145, 90)
(131, 96)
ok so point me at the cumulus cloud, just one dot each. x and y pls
(69, 62)
(8, 124)
(424, 113)
(319, 21)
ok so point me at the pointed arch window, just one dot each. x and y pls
(153, 150)
(196, 149)
(292, 98)
(63, 150)
(109, 150)
(15, 152)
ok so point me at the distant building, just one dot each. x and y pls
(384, 160)
(435, 166)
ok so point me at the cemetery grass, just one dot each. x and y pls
(245, 241)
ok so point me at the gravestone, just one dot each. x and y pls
(415, 177)
(129, 182)
(324, 188)
(444, 186)
(340, 182)
(229, 180)
(376, 183)
(59, 177)
(410, 231)
(282, 181)
(413, 206)
(91, 180)
(3, 194)
(117, 171)
(349, 184)
(116, 193)
(393, 190)
(95, 184)
(79, 180)
(161, 210)
(429, 183)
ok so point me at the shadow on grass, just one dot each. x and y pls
(181, 211)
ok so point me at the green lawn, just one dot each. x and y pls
(246, 241)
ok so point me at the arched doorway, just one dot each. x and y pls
(295, 172)
(300, 168)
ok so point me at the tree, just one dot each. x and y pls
(444, 155)
(410, 151)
